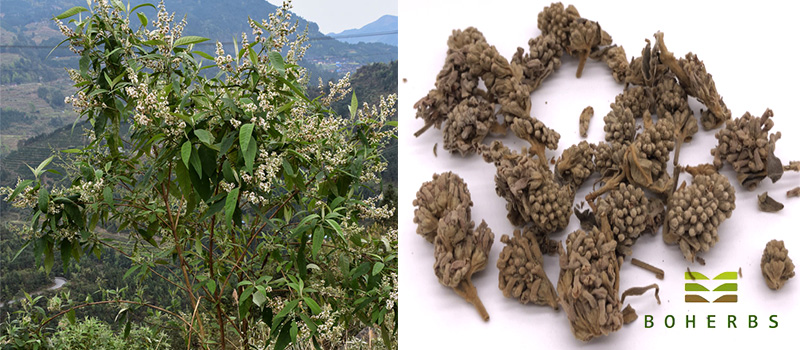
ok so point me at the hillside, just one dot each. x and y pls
(382, 30)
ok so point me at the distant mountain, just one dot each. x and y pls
(383, 30)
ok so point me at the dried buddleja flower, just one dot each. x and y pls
(556, 20)
(620, 125)
(776, 265)
(522, 274)
(695, 212)
(585, 118)
(746, 144)
(537, 134)
(584, 36)
(691, 72)
(576, 164)
(530, 189)
(642, 163)
(588, 284)
(626, 209)
(460, 252)
(436, 198)
(542, 60)
(614, 57)
(646, 69)
(468, 124)
(672, 102)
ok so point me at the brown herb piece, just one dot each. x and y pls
(776, 265)
(529, 187)
(639, 291)
(768, 204)
(625, 208)
(695, 212)
(691, 275)
(435, 145)
(522, 274)
(436, 198)
(586, 116)
(659, 272)
(585, 217)
(614, 56)
(746, 144)
(543, 58)
(589, 283)
(629, 314)
(740, 272)
(691, 72)
(467, 125)
(795, 192)
(575, 164)
(460, 252)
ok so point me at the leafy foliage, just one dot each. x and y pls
(262, 202)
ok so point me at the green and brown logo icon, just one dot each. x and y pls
(698, 284)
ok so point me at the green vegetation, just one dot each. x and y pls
(243, 212)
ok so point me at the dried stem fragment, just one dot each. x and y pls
(639, 291)
(795, 192)
(659, 272)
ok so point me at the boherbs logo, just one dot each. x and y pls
(698, 292)
(700, 289)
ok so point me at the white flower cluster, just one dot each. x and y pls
(390, 282)
(222, 60)
(337, 91)
(25, 199)
(91, 191)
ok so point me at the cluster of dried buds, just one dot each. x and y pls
(631, 161)
(443, 217)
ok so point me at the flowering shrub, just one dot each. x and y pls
(264, 203)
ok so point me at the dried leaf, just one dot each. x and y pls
(768, 204)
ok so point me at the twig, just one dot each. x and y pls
(659, 272)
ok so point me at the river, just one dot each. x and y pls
(58, 283)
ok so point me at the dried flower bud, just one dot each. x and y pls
(620, 125)
(695, 212)
(467, 125)
(522, 274)
(542, 60)
(555, 20)
(585, 36)
(576, 164)
(537, 134)
(436, 198)
(461, 251)
(626, 210)
(530, 189)
(691, 72)
(776, 265)
(746, 144)
(586, 116)
(614, 56)
(588, 284)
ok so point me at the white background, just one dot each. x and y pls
(751, 50)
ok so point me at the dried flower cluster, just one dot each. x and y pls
(446, 192)
(576, 164)
(522, 274)
(776, 265)
(589, 284)
(626, 210)
(696, 211)
(746, 144)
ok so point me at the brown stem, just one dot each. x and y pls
(581, 63)
(608, 186)
(471, 295)
(424, 128)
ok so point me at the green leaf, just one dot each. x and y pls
(353, 105)
(108, 196)
(127, 332)
(276, 60)
(153, 42)
(250, 154)
(71, 316)
(319, 235)
(204, 136)
(290, 306)
(284, 338)
(142, 19)
(39, 169)
(377, 268)
(186, 153)
(259, 298)
(22, 185)
(204, 55)
(72, 12)
(230, 204)
(211, 285)
(245, 133)
(188, 40)
(293, 331)
(336, 227)
(49, 258)
(44, 199)
(312, 305)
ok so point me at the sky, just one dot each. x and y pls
(334, 16)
